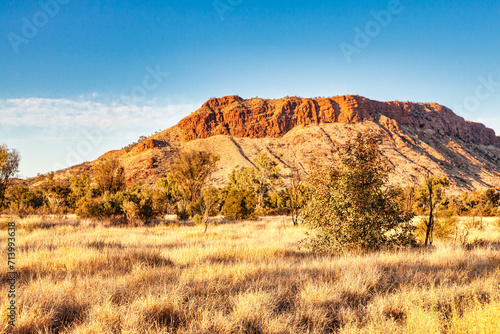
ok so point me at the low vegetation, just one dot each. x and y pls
(82, 276)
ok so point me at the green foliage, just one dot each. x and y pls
(182, 210)
(191, 171)
(131, 210)
(22, 201)
(198, 220)
(141, 204)
(211, 201)
(9, 166)
(109, 176)
(288, 201)
(260, 180)
(168, 193)
(351, 206)
(240, 204)
(56, 194)
(480, 203)
(108, 206)
(445, 228)
(80, 187)
(87, 207)
(429, 195)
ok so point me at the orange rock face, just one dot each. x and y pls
(147, 145)
(259, 118)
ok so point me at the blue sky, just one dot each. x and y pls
(79, 78)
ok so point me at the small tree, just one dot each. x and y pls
(210, 199)
(266, 176)
(168, 192)
(109, 176)
(21, 200)
(429, 195)
(55, 193)
(297, 191)
(80, 187)
(191, 171)
(352, 207)
(9, 166)
(239, 204)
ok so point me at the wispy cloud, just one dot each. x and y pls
(59, 116)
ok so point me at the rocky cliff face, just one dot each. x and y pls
(259, 118)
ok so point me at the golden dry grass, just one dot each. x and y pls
(247, 277)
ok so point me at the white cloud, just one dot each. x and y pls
(66, 115)
(57, 133)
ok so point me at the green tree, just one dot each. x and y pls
(261, 179)
(168, 192)
(266, 177)
(109, 176)
(56, 194)
(192, 171)
(80, 187)
(209, 203)
(106, 207)
(430, 194)
(9, 167)
(297, 193)
(141, 204)
(352, 207)
(239, 204)
(21, 200)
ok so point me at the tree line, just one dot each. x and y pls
(347, 204)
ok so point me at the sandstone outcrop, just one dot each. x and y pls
(260, 118)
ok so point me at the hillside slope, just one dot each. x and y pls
(417, 138)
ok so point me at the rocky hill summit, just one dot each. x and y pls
(259, 118)
(417, 138)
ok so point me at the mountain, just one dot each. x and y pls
(417, 138)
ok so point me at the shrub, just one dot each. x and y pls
(109, 206)
(198, 219)
(351, 206)
(182, 210)
(240, 204)
(444, 228)
(88, 208)
(131, 210)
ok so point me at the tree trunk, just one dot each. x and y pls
(430, 224)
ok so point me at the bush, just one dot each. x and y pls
(198, 220)
(444, 228)
(88, 208)
(240, 204)
(131, 210)
(182, 210)
(109, 206)
(351, 206)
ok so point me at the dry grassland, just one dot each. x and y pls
(247, 277)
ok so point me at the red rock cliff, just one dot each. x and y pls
(259, 118)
